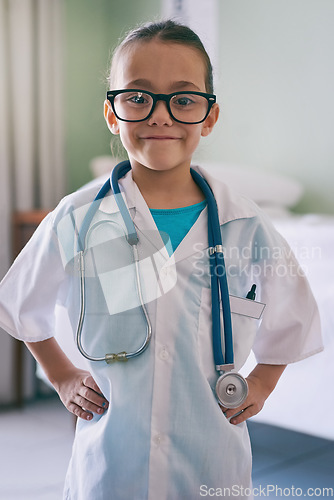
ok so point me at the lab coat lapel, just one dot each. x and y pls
(229, 208)
(144, 222)
(196, 240)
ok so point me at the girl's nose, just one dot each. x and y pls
(160, 115)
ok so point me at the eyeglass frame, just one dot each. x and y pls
(211, 98)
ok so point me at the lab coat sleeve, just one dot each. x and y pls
(31, 288)
(290, 329)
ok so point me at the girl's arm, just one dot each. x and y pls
(261, 382)
(76, 388)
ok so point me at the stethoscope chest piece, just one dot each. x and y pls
(231, 390)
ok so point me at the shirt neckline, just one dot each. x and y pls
(189, 208)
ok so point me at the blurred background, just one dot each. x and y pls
(274, 80)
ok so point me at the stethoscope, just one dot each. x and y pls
(231, 387)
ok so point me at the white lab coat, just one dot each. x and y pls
(164, 435)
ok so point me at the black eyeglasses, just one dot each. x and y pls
(133, 105)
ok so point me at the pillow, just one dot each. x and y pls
(265, 188)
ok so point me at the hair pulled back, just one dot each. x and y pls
(165, 31)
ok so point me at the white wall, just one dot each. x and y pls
(276, 90)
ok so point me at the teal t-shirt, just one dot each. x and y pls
(176, 222)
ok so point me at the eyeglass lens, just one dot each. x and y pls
(133, 106)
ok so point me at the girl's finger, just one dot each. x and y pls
(87, 405)
(79, 411)
(92, 400)
(90, 382)
(229, 412)
(242, 416)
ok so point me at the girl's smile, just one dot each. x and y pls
(160, 138)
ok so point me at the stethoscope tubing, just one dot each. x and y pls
(110, 357)
(118, 172)
(85, 230)
(219, 286)
(90, 215)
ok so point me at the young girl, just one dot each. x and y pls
(151, 427)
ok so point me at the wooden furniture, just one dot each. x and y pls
(24, 224)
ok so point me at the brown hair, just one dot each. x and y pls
(166, 31)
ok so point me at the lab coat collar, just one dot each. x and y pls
(127, 187)
(231, 206)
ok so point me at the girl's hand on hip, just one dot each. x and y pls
(251, 406)
(261, 382)
(80, 394)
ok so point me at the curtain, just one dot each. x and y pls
(31, 111)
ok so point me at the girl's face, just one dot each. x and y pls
(160, 143)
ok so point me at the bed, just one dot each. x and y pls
(303, 399)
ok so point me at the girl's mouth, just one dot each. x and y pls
(160, 138)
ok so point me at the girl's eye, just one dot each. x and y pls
(183, 101)
(137, 99)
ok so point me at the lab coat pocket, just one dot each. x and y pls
(245, 315)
